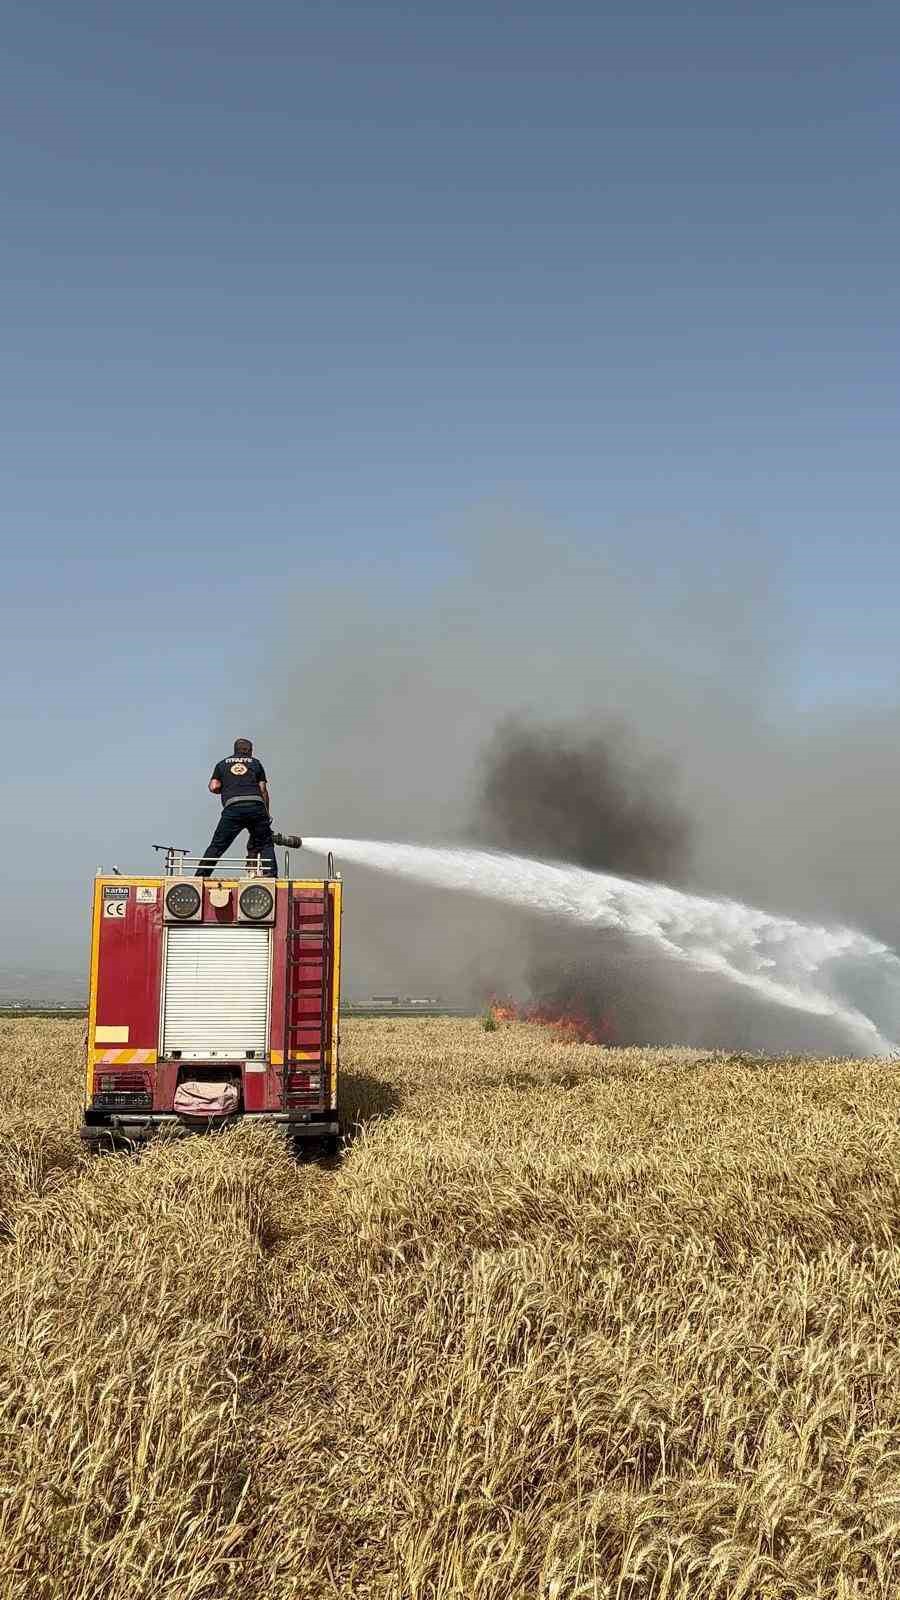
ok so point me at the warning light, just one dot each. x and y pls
(256, 904)
(184, 902)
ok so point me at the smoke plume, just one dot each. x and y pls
(627, 704)
(591, 798)
(582, 796)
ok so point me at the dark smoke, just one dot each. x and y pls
(582, 796)
(590, 797)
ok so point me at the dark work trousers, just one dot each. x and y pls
(249, 814)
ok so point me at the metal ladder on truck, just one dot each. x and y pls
(307, 1002)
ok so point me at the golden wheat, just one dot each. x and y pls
(563, 1322)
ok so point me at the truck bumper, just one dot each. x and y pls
(121, 1129)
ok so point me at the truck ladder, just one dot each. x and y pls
(307, 988)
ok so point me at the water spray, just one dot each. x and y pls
(806, 967)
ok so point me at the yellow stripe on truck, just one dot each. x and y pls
(92, 990)
(119, 1058)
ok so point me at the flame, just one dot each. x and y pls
(504, 1011)
(570, 1027)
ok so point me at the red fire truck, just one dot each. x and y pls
(211, 1000)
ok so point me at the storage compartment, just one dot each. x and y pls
(216, 991)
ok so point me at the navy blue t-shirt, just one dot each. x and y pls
(240, 777)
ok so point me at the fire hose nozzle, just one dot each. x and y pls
(291, 841)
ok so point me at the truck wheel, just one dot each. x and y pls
(99, 1142)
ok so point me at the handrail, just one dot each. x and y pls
(180, 863)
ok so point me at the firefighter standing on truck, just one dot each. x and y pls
(241, 781)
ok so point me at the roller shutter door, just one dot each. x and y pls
(216, 991)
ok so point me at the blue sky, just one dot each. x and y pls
(292, 292)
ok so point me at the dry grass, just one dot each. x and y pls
(565, 1322)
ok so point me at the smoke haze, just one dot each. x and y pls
(581, 704)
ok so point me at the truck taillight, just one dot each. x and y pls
(123, 1089)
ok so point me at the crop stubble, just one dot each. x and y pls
(564, 1322)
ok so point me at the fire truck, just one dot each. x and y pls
(212, 1000)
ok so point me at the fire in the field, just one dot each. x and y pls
(570, 1027)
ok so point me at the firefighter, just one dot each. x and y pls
(241, 781)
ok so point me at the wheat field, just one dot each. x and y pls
(562, 1322)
